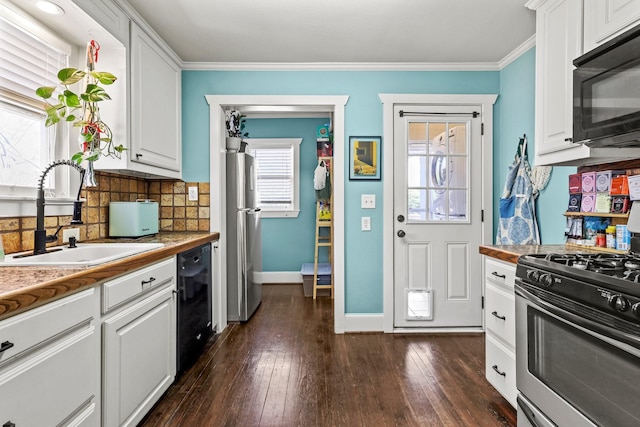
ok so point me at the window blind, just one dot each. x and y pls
(26, 63)
(275, 177)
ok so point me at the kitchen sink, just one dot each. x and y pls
(85, 254)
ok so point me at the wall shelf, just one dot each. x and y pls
(598, 214)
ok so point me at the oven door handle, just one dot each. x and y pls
(585, 323)
(528, 413)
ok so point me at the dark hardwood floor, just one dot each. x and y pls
(286, 367)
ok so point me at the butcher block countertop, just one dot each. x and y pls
(511, 253)
(26, 287)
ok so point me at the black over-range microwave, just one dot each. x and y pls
(606, 93)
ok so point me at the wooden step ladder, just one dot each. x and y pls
(324, 239)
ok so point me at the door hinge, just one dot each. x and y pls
(482, 215)
(482, 129)
(482, 302)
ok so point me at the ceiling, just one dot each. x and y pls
(340, 31)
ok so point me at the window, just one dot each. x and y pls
(278, 172)
(31, 57)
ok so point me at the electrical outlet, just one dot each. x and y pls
(368, 201)
(366, 223)
(70, 232)
(193, 194)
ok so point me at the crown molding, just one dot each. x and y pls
(515, 54)
(341, 66)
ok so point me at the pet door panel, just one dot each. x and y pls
(419, 304)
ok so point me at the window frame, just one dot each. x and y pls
(293, 143)
(19, 201)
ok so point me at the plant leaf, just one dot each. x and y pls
(45, 92)
(71, 99)
(104, 77)
(69, 76)
(94, 157)
(71, 118)
(77, 157)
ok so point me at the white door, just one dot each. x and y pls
(437, 216)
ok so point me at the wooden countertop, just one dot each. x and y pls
(511, 253)
(26, 287)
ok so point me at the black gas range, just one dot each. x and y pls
(605, 282)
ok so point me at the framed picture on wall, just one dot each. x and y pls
(364, 157)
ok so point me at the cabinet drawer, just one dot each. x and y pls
(56, 385)
(26, 330)
(500, 368)
(124, 288)
(500, 272)
(500, 311)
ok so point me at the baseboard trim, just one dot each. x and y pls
(363, 322)
(292, 277)
(469, 330)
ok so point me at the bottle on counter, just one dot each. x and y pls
(623, 238)
(601, 239)
(611, 236)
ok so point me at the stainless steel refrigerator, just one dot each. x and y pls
(244, 241)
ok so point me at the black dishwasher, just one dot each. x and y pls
(194, 304)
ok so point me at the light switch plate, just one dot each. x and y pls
(193, 194)
(368, 201)
(366, 223)
(70, 232)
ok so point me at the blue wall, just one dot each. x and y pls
(287, 243)
(515, 110)
(514, 116)
(363, 116)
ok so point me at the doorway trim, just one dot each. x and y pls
(486, 103)
(217, 104)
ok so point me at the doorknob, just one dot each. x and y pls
(400, 218)
(401, 233)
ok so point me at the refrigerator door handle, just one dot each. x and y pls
(242, 258)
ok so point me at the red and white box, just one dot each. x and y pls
(575, 183)
(588, 182)
(588, 203)
(619, 186)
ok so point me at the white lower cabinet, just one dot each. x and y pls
(500, 360)
(50, 370)
(139, 344)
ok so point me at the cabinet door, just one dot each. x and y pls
(139, 359)
(155, 104)
(558, 43)
(56, 386)
(604, 19)
(109, 16)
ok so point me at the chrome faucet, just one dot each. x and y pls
(40, 237)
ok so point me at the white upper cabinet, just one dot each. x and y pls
(144, 113)
(155, 104)
(109, 16)
(558, 42)
(605, 19)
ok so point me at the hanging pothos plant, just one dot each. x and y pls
(81, 109)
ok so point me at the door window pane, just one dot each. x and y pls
(438, 182)
(417, 205)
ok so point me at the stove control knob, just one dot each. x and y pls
(546, 279)
(618, 303)
(635, 309)
(533, 275)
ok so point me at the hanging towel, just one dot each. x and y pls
(518, 224)
(320, 176)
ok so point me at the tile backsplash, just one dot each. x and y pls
(177, 212)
